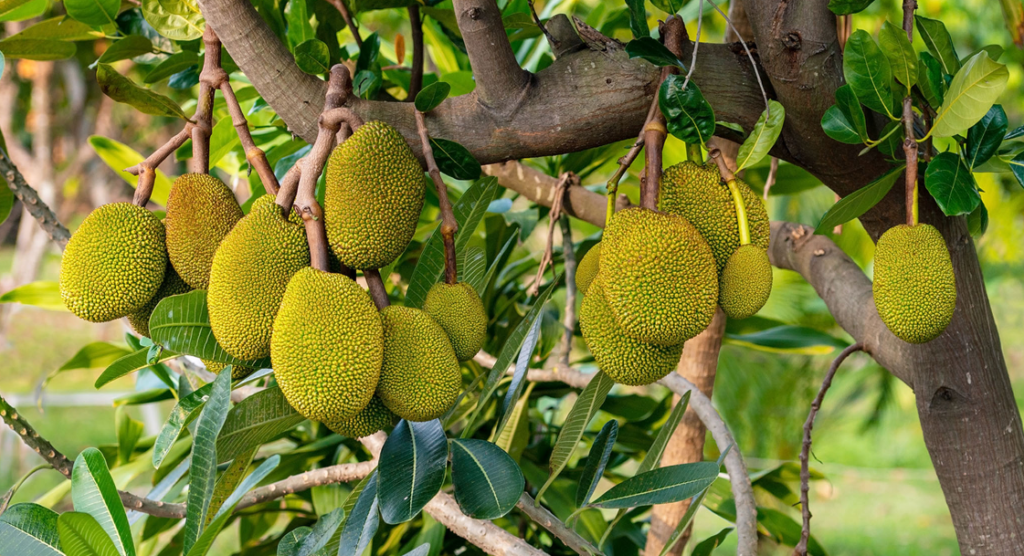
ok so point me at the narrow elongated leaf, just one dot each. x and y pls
(473, 267)
(593, 470)
(175, 63)
(455, 160)
(255, 420)
(178, 20)
(119, 156)
(8, 6)
(121, 89)
(321, 533)
(940, 44)
(126, 48)
(203, 474)
(228, 481)
(81, 535)
(653, 456)
(653, 51)
(762, 139)
(36, 49)
(44, 294)
(663, 485)
(181, 323)
(952, 184)
(248, 484)
(788, 339)
(704, 547)
(93, 492)
(868, 73)
(432, 95)
(134, 361)
(971, 93)
(362, 521)
(413, 459)
(94, 355)
(901, 55)
(487, 481)
(638, 18)
(515, 389)
(684, 522)
(858, 202)
(129, 431)
(30, 530)
(688, 116)
(93, 12)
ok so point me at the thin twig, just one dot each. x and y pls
(376, 286)
(33, 204)
(255, 155)
(449, 225)
(569, 320)
(541, 516)
(673, 33)
(210, 79)
(696, 45)
(351, 23)
(553, 217)
(746, 48)
(416, 78)
(536, 19)
(773, 170)
(909, 140)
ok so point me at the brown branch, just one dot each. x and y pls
(375, 284)
(31, 438)
(536, 19)
(349, 22)
(805, 451)
(556, 211)
(210, 78)
(255, 155)
(569, 319)
(33, 204)
(541, 516)
(673, 33)
(540, 188)
(500, 82)
(416, 78)
(448, 223)
(909, 140)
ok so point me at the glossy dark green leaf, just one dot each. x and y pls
(934, 35)
(432, 95)
(202, 475)
(362, 520)
(515, 388)
(81, 535)
(171, 65)
(127, 48)
(597, 460)
(30, 530)
(181, 323)
(858, 202)
(971, 93)
(487, 481)
(94, 493)
(366, 84)
(653, 51)
(688, 116)
(638, 18)
(121, 89)
(135, 361)
(902, 58)
(36, 49)
(178, 20)
(984, 137)
(930, 81)
(784, 530)
(313, 56)
(414, 460)
(684, 522)
(300, 28)
(455, 160)
(257, 419)
(952, 184)
(868, 73)
(977, 221)
(93, 12)
(762, 139)
(706, 546)
(663, 485)
(836, 126)
(368, 53)
(1017, 167)
(846, 7)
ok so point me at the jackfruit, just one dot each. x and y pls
(460, 312)
(623, 359)
(914, 288)
(746, 282)
(373, 199)
(172, 285)
(327, 347)
(420, 379)
(201, 210)
(374, 417)
(238, 372)
(250, 272)
(659, 276)
(698, 194)
(114, 263)
(587, 269)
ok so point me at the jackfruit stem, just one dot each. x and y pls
(375, 284)
(146, 170)
(210, 79)
(737, 198)
(694, 153)
(673, 31)
(254, 155)
(449, 225)
(909, 140)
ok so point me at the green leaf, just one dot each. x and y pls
(22, 10)
(704, 547)
(300, 28)
(202, 475)
(684, 522)
(36, 49)
(473, 267)
(313, 56)
(868, 73)
(59, 28)
(134, 361)
(93, 492)
(129, 431)
(688, 115)
(788, 339)
(597, 460)
(487, 481)
(653, 51)
(850, 107)
(8, 6)
(362, 520)
(663, 485)
(127, 48)
(6, 195)
(670, 7)
(973, 90)
(414, 460)
(205, 541)
(30, 530)
(223, 139)
(119, 156)
(81, 535)
(44, 294)
(183, 413)
(858, 202)
(366, 84)
(515, 388)
(977, 221)
(228, 482)
(321, 533)
(951, 184)
(181, 323)
(121, 89)
(846, 7)
(93, 12)
(94, 355)
(171, 65)
(638, 18)
(940, 44)
(368, 53)
(836, 126)
(256, 420)
(1017, 167)
(762, 139)
(984, 137)
(432, 95)
(930, 81)
(902, 58)
(653, 457)
(455, 160)
(178, 20)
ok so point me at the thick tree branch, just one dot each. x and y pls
(500, 83)
(33, 204)
(416, 76)
(541, 189)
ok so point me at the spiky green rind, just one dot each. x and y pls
(114, 263)
(586, 271)
(914, 288)
(374, 196)
(625, 360)
(374, 417)
(746, 282)
(420, 378)
(250, 273)
(238, 372)
(201, 210)
(172, 285)
(460, 312)
(659, 276)
(328, 346)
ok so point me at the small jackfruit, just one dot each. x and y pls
(238, 372)
(374, 195)
(623, 359)
(659, 276)
(114, 263)
(374, 417)
(250, 273)
(587, 269)
(460, 312)
(172, 285)
(328, 346)
(201, 210)
(420, 378)
(914, 287)
(746, 282)
(697, 193)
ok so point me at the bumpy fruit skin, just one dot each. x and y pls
(914, 288)
(238, 372)
(250, 272)
(374, 417)
(698, 194)
(587, 269)
(746, 282)
(659, 276)
(623, 359)
(114, 263)
(172, 285)
(201, 210)
(420, 379)
(460, 312)
(374, 196)
(328, 346)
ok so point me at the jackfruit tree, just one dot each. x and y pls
(404, 235)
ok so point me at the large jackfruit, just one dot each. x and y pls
(328, 346)
(238, 372)
(250, 272)
(460, 312)
(623, 359)
(914, 287)
(374, 417)
(659, 276)
(172, 285)
(746, 282)
(698, 194)
(114, 263)
(587, 269)
(201, 210)
(420, 378)
(373, 198)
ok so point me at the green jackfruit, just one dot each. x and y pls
(373, 198)
(420, 379)
(374, 417)
(914, 288)
(238, 372)
(172, 285)
(250, 273)
(201, 210)
(587, 269)
(460, 312)
(698, 194)
(659, 276)
(746, 282)
(623, 359)
(114, 263)
(328, 346)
